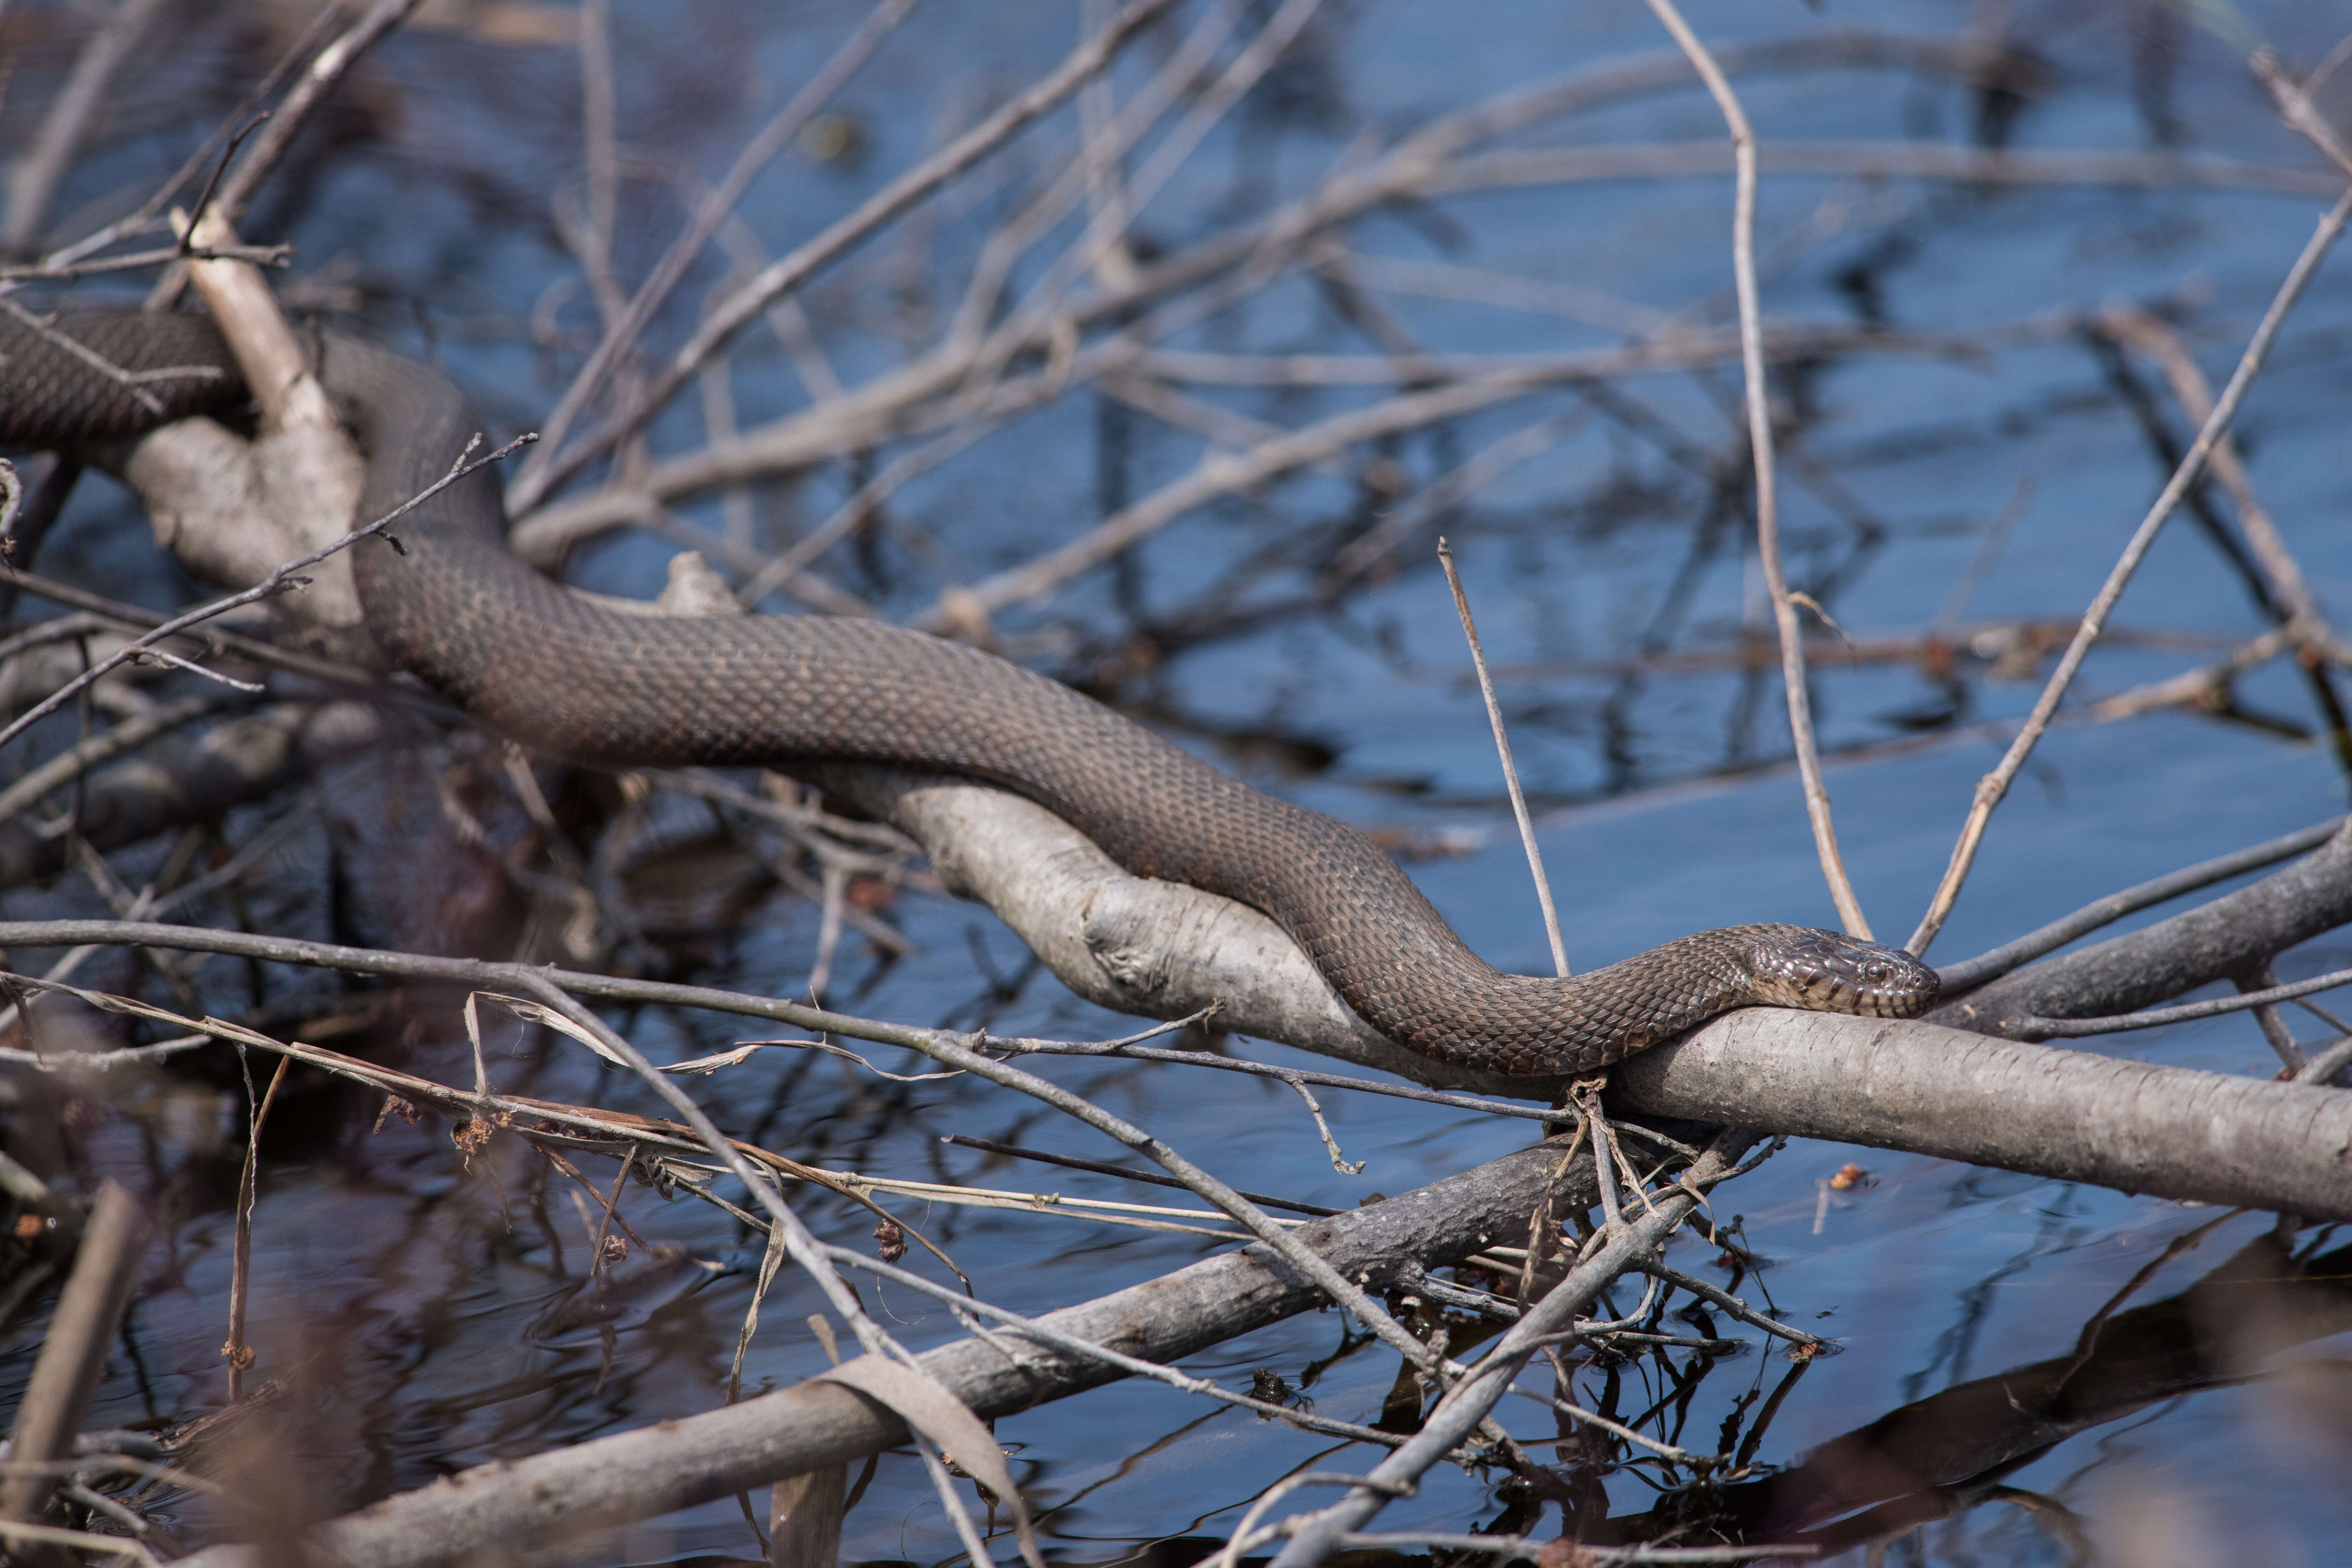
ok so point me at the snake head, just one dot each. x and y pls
(1830, 973)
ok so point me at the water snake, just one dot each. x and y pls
(547, 667)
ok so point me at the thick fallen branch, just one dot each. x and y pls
(1126, 942)
(1164, 951)
(2067, 1115)
(656, 1470)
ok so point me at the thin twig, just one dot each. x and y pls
(1500, 1549)
(2075, 1028)
(1048, 1334)
(1995, 784)
(34, 179)
(1469, 1400)
(804, 1247)
(621, 334)
(1759, 439)
(74, 1350)
(1733, 1305)
(1510, 770)
(326, 72)
(238, 1354)
(1150, 1178)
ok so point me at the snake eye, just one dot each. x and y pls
(1874, 972)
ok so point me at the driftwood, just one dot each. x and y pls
(654, 1470)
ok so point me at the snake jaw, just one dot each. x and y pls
(1825, 972)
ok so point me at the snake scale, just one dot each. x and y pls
(539, 663)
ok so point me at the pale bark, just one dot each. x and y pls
(1163, 950)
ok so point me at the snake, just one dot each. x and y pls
(553, 670)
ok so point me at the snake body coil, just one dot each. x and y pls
(539, 663)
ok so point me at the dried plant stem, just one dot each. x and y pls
(239, 1353)
(1995, 784)
(1760, 438)
(1510, 769)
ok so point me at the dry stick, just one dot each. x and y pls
(940, 1047)
(79, 758)
(597, 112)
(325, 73)
(1410, 170)
(1759, 440)
(1184, 74)
(74, 1351)
(1510, 770)
(281, 580)
(1995, 784)
(706, 1456)
(71, 272)
(2301, 619)
(909, 403)
(966, 1309)
(1500, 1549)
(1733, 1305)
(1322, 1080)
(232, 128)
(239, 1353)
(347, 677)
(1109, 224)
(781, 277)
(2071, 1028)
(2324, 1067)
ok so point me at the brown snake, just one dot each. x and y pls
(541, 665)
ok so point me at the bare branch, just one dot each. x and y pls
(1759, 441)
(1995, 784)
